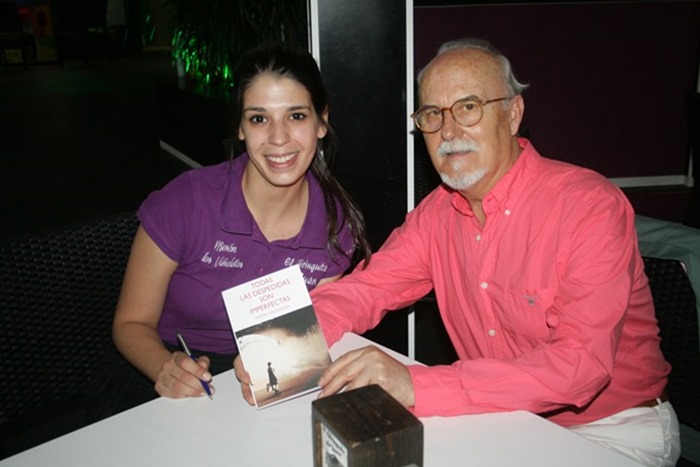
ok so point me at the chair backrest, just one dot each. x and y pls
(675, 302)
(671, 255)
(58, 292)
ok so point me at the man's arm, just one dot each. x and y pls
(397, 275)
(567, 369)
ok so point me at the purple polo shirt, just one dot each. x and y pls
(201, 221)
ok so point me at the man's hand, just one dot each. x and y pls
(244, 378)
(367, 366)
(180, 376)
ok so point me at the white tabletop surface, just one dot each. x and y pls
(229, 432)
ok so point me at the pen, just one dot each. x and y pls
(186, 349)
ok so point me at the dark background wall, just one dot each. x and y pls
(610, 81)
(363, 62)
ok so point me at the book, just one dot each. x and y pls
(278, 335)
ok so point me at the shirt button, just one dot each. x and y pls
(478, 237)
(492, 332)
(507, 212)
(484, 285)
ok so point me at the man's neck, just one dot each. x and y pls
(477, 192)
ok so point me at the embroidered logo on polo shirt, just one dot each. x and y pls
(308, 269)
(305, 265)
(223, 260)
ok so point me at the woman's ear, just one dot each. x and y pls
(241, 136)
(323, 127)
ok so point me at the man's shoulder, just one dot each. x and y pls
(562, 174)
(557, 173)
(578, 188)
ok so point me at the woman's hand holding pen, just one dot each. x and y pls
(244, 378)
(180, 376)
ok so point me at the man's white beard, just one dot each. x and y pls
(461, 181)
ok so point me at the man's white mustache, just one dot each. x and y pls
(457, 145)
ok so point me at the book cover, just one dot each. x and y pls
(278, 336)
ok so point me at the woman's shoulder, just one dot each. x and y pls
(214, 172)
(188, 190)
(213, 176)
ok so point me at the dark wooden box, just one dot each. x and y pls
(365, 427)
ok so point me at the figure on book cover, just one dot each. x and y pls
(272, 385)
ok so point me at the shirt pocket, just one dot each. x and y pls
(527, 314)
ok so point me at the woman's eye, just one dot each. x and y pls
(257, 119)
(298, 116)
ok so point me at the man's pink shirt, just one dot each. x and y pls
(547, 305)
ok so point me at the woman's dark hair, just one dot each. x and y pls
(297, 64)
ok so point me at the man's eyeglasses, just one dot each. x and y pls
(466, 112)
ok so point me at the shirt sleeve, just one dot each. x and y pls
(397, 275)
(163, 215)
(597, 265)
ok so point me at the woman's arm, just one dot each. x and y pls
(140, 306)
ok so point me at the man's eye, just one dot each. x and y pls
(431, 112)
(466, 106)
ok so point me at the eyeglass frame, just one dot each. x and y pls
(442, 110)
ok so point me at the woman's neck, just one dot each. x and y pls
(279, 211)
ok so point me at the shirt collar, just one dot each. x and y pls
(506, 192)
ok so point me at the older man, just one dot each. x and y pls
(536, 271)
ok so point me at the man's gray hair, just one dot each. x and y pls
(514, 86)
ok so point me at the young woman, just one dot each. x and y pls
(212, 228)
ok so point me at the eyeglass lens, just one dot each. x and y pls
(465, 112)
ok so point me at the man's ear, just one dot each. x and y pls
(515, 113)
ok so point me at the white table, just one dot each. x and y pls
(227, 432)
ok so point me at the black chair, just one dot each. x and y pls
(58, 292)
(12, 35)
(671, 255)
(692, 217)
